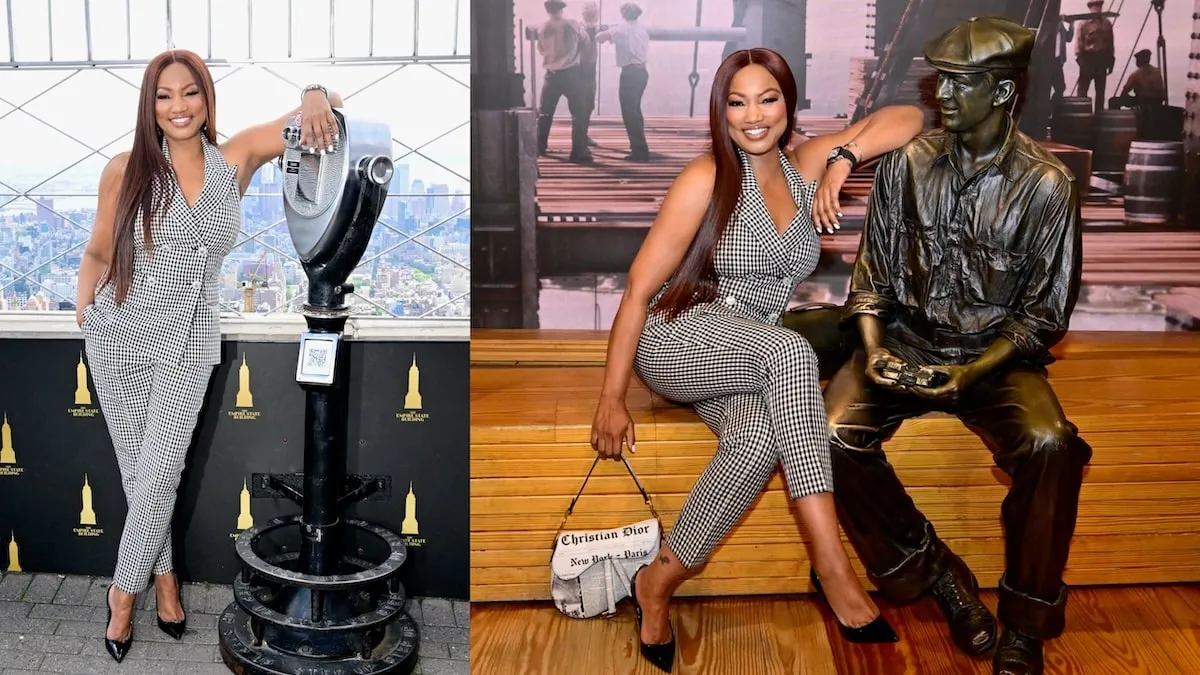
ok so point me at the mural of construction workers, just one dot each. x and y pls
(1058, 79)
(632, 44)
(560, 42)
(1094, 53)
(1144, 86)
(589, 55)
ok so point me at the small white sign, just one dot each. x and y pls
(318, 355)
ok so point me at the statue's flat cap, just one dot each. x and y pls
(981, 44)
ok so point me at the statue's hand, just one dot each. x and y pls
(880, 359)
(956, 380)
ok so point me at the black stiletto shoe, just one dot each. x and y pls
(877, 631)
(116, 648)
(174, 628)
(663, 655)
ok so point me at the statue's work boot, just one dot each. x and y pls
(1018, 655)
(972, 626)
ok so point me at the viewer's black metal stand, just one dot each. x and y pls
(331, 607)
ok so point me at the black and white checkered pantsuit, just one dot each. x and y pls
(753, 382)
(151, 410)
(152, 358)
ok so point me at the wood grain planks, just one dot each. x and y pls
(1110, 631)
(1131, 394)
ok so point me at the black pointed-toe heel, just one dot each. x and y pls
(663, 655)
(174, 628)
(116, 648)
(877, 631)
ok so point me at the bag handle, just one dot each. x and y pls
(645, 496)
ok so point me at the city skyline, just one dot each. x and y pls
(48, 199)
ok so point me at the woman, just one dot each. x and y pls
(700, 323)
(169, 211)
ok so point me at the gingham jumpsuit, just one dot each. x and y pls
(153, 356)
(753, 382)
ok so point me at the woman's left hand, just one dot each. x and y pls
(826, 207)
(318, 126)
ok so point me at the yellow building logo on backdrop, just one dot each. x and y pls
(409, 528)
(83, 395)
(14, 554)
(245, 519)
(244, 403)
(413, 402)
(8, 453)
(87, 514)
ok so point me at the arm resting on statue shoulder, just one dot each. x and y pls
(1043, 313)
(663, 250)
(877, 134)
(871, 291)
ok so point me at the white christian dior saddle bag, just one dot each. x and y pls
(590, 570)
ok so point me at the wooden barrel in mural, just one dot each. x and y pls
(1153, 182)
(1072, 124)
(1114, 131)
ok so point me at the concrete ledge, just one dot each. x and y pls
(27, 325)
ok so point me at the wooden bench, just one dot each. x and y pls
(1134, 396)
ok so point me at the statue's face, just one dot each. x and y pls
(966, 100)
(756, 111)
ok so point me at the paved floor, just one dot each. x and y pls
(52, 623)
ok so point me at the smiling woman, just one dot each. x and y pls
(169, 212)
(700, 323)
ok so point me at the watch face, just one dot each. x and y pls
(835, 153)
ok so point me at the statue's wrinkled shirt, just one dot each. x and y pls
(954, 260)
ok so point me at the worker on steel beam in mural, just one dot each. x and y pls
(1058, 77)
(1095, 54)
(1145, 85)
(1144, 91)
(560, 42)
(589, 57)
(631, 41)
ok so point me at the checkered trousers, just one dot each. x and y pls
(151, 411)
(753, 382)
(172, 313)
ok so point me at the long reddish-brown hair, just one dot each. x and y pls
(147, 185)
(695, 280)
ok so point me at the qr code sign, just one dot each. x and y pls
(317, 357)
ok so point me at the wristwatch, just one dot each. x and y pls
(314, 87)
(841, 152)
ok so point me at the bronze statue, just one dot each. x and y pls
(967, 273)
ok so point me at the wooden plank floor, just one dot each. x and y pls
(1147, 630)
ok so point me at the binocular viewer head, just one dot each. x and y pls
(332, 200)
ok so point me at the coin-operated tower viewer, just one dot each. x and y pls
(335, 604)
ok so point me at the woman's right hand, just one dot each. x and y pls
(79, 315)
(611, 428)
